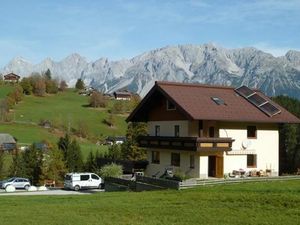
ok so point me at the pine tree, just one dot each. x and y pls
(130, 149)
(74, 157)
(289, 137)
(63, 144)
(79, 84)
(90, 164)
(1, 163)
(32, 163)
(17, 166)
(48, 74)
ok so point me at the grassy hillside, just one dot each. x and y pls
(4, 90)
(68, 108)
(276, 202)
(65, 110)
(26, 133)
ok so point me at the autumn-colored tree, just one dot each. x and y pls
(51, 86)
(134, 101)
(53, 166)
(97, 99)
(63, 85)
(39, 87)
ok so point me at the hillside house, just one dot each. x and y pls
(7, 142)
(122, 95)
(115, 140)
(11, 77)
(208, 131)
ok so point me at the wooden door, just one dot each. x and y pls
(219, 166)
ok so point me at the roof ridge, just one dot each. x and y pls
(192, 85)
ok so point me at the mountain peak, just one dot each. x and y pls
(19, 59)
(208, 63)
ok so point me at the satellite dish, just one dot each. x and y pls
(246, 144)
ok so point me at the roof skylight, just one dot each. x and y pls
(218, 100)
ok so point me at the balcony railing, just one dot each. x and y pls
(186, 143)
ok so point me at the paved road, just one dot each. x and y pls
(50, 192)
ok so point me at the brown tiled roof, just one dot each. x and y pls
(11, 76)
(194, 100)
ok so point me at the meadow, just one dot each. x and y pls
(275, 202)
(4, 90)
(66, 110)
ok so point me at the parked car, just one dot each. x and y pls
(77, 181)
(17, 182)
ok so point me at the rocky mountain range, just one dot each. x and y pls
(208, 63)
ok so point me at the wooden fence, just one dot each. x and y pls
(141, 183)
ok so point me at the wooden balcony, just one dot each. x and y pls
(186, 143)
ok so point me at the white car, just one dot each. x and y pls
(77, 181)
(17, 182)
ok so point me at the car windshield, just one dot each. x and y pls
(10, 179)
(68, 177)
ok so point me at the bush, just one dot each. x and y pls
(97, 100)
(114, 152)
(180, 175)
(110, 120)
(112, 170)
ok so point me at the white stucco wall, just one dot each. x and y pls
(265, 146)
(165, 162)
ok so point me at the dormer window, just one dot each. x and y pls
(218, 100)
(170, 106)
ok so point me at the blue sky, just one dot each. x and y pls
(36, 29)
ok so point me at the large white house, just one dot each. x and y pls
(208, 131)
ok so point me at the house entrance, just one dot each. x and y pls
(215, 166)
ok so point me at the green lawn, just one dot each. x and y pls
(67, 108)
(27, 134)
(4, 90)
(253, 203)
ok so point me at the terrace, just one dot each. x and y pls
(199, 144)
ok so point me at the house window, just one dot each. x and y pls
(211, 132)
(170, 106)
(200, 128)
(176, 131)
(175, 159)
(251, 161)
(155, 157)
(251, 131)
(192, 161)
(157, 130)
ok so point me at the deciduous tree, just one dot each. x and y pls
(97, 99)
